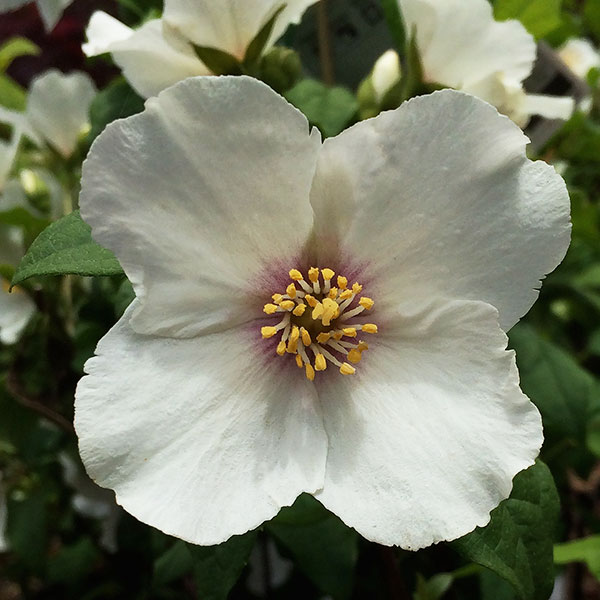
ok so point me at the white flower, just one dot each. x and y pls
(160, 52)
(463, 47)
(580, 56)
(385, 74)
(57, 113)
(225, 213)
(50, 10)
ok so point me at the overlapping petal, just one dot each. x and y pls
(426, 439)
(50, 10)
(149, 62)
(195, 436)
(199, 196)
(58, 108)
(231, 25)
(447, 204)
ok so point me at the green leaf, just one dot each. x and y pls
(172, 565)
(434, 588)
(586, 550)
(540, 17)
(26, 528)
(395, 22)
(517, 543)
(12, 95)
(329, 108)
(73, 562)
(257, 45)
(218, 61)
(591, 14)
(65, 247)
(566, 394)
(15, 47)
(117, 101)
(323, 547)
(217, 568)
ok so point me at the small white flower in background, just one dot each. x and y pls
(385, 74)
(160, 52)
(57, 113)
(315, 317)
(580, 56)
(461, 46)
(50, 10)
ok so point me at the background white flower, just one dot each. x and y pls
(580, 56)
(160, 52)
(434, 205)
(50, 10)
(463, 47)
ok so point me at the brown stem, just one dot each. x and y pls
(325, 54)
(16, 389)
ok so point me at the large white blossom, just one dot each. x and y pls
(463, 47)
(50, 10)
(410, 241)
(580, 56)
(57, 111)
(160, 52)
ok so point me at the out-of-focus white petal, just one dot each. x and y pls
(549, 107)
(385, 74)
(51, 11)
(213, 195)
(447, 204)
(58, 107)
(197, 437)
(16, 308)
(460, 42)
(425, 439)
(231, 25)
(580, 56)
(149, 61)
(8, 153)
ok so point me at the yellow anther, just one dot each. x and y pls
(366, 303)
(320, 362)
(355, 355)
(287, 304)
(317, 312)
(295, 275)
(331, 310)
(338, 335)
(327, 274)
(310, 372)
(270, 308)
(323, 337)
(333, 292)
(281, 348)
(357, 288)
(268, 332)
(347, 369)
(349, 331)
(369, 328)
(305, 337)
(293, 343)
(291, 290)
(346, 294)
(342, 282)
(299, 310)
(362, 346)
(310, 300)
(313, 274)
(277, 298)
(299, 361)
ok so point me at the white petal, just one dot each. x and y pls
(102, 32)
(149, 62)
(16, 309)
(385, 74)
(8, 5)
(200, 438)
(200, 197)
(230, 24)
(51, 11)
(8, 154)
(460, 42)
(549, 107)
(58, 107)
(426, 437)
(447, 204)
(580, 56)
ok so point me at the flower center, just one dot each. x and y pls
(317, 321)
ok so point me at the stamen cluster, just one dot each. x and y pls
(316, 319)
